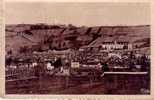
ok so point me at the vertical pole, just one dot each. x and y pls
(66, 81)
(40, 77)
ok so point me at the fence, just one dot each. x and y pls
(19, 72)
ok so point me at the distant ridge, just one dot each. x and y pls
(66, 36)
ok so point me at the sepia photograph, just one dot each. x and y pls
(74, 48)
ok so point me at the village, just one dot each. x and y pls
(69, 64)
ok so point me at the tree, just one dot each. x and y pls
(23, 49)
(75, 44)
(8, 61)
(125, 47)
(9, 52)
(95, 36)
(47, 40)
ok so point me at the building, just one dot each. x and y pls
(116, 45)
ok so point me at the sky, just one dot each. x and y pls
(88, 14)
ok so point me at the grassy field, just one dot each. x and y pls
(108, 84)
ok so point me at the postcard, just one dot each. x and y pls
(73, 49)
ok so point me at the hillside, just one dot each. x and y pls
(62, 37)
